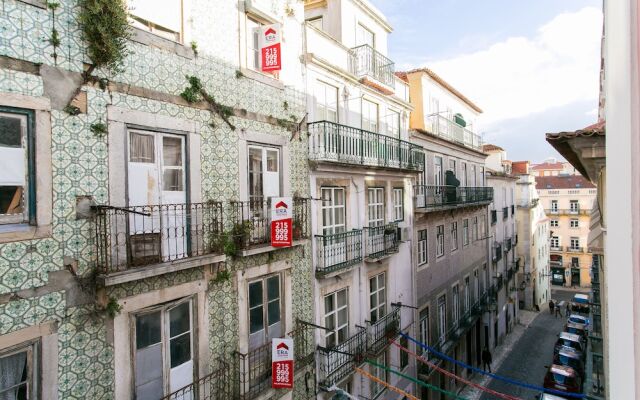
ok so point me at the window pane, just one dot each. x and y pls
(172, 180)
(142, 148)
(13, 371)
(179, 320)
(11, 200)
(255, 294)
(328, 304)
(273, 311)
(272, 160)
(256, 319)
(273, 288)
(10, 132)
(342, 298)
(180, 349)
(172, 151)
(165, 13)
(148, 329)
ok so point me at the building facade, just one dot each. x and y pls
(362, 170)
(135, 257)
(568, 201)
(553, 167)
(450, 229)
(533, 241)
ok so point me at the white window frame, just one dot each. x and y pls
(465, 232)
(326, 104)
(264, 148)
(554, 206)
(454, 236)
(398, 204)
(361, 31)
(442, 317)
(375, 206)
(393, 124)
(455, 303)
(554, 223)
(26, 215)
(333, 209)
(32, 362)
(438, 179)
(574, 206)
(574, 223)
(424, 328)
(574, 242)
(157, 28)
(377, 388)
(439, 240)
(377, 308)
(555, 242)
(423, 255)
(467, 294)
(334, 314)
(370, 122)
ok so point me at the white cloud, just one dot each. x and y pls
(521, 76)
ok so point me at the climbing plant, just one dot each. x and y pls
(196, 92)
(54, 40)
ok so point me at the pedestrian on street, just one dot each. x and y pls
(558, 311)
(551, 305)
(486, 359)
(567, 310)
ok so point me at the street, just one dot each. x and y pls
(527, 359)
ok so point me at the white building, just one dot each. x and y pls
(362, 169)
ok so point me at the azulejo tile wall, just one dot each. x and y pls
(80, 167)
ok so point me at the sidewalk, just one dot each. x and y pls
(501, 352)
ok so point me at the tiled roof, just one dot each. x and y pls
(444, 84)
(519, 167)
(547, 165)
(563, 182)
(491, 147)
(597, 129)
(403, 76)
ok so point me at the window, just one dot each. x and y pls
(17, 166)
(467, 295)
(437, 173)
(264, 175)
(476, 233)
(465, 232)
(265, 310)
(365, 37)
(476, 285)
(575, 243)
(440, 240)
(554, 206)
(163, 344)
(452, 166)
(376, 206)
(393, 124)
(161, 17)
(369, 116)
(326, 102)
(422, 247)
(481, 176)
(424, 329)
(555, 242)
(575, 262)
(456, 303)
(316, 22)
(18, 372)
(474, 176)
(380, 373)
(454, 236)
(574, 206)
(377, 297)
(398, 204)
(574, 223)
(333, 210)
(404, 356)
(442, 317)
(554, 223)
(253, 44)
(463, 174)
(336, 317)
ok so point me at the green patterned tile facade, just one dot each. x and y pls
(80, 167)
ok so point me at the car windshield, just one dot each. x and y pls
(564, 360)
(559, 378)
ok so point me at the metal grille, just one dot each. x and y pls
(432, 196)
(214, 386)
(339, 361)
(338, 251)
(253, 370)
(368, 61)
(381, 240)
(379, 333)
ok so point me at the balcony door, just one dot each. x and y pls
(334, 225)
(157, 191)
(264, 183)
(265, 311)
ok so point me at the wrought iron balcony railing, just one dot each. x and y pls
(576, 249)
(454, 132)
(214, 386)
(253, 370)
(338, 361)
(332, 142)
(434, 197)
(497, 252)
(252, 221)
(555, 248)
(366, 61)
(381, 240)
(137, 236)
(380, 331)
(567, 211)
(338, 251)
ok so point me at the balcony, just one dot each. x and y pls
(252, 222)
(338, 251)
(430, 197)
(568, 212)
(574, 249)
(338, 362)
(381, 241)
(497, 252)
(379, 332)
(367, 62)
(253, 370)
(213, 386)
(341, 144)
(507, 245)
(451, 131)
(149, 239)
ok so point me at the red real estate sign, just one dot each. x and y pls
(281, 222)
(270, 50)
(282, 363)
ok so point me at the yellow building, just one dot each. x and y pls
(568, 201)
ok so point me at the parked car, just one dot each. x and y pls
(580, 304)
(577, 329)
(570, 340)
(563, 378)
(578, 319)
(570, 358)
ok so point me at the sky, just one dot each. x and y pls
(531, 65)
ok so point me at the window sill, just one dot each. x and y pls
(261, 249)
(19, 232)
(36, 3)
(149, 39)
(262, 78)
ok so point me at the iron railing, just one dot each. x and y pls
(338, 251)
(304, 343)
(379, 332)
(253, 372)
(507, 244)
(454, 132)
(569, 211)
(366, 61)
(329, 141)
(136, 236)
(252, 220)
(337, 362)
(381, 240)
(497, 252)
(214, 386)
(572, 249)
(430, 196)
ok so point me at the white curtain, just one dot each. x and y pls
(12, 369)
(142, 149)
